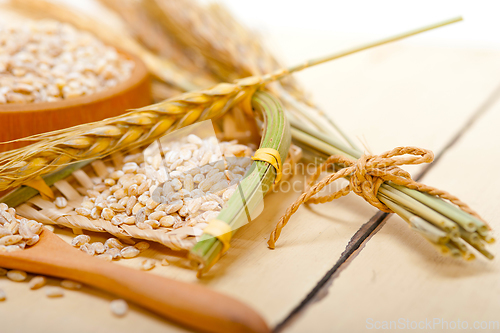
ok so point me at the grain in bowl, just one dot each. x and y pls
(48, 61)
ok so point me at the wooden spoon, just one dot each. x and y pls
(187, 304)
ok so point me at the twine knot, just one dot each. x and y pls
(366, 175)
(370, 171)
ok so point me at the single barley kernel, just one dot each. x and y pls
(153, 223)
(100, 188)
(130, 252)
(143, 226)
(12, 226)
(138, 206)
(24, 229)
(142, 246)
(123, 201)
(98, 247)
(132, 190)
(87, 204)
(117, 219)
(107, 214)
(174, 206)
(13, 248)
(164, 262)
(16, 275)
(37, 282)
(117, 207)
(87, 248)
(114, 252)
(189, 183)
(113, 243)
(156, 215)
(183, 211)
(80, 240)
(33, 240)
(95, 213)
(129, 220)
(52, 291)
(144, 187)
(167, 221)
(119, 194)
(83, 211)
(61, 202)
(10, 240)
(5, 232)
(3, 295)
(148, 264)
(35, 226)
(119, 307)
(110, 182)
(140, 217)
(130, 167)
(69, 284)
(151, 204)
(100, 202)
(116, 175)
(209, 206)
(7, 216)
(143, 199)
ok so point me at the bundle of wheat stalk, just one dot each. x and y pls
(230, 52)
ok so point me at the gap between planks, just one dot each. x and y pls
(370, 228)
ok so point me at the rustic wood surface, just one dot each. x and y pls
(392, 96)
(399, 276)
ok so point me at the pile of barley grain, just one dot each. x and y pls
(46, 61)
(186, 188)
(16, 234)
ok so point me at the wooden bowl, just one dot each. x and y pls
(22, 120)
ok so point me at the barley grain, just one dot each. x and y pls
(113, 243)
(54, 292)
(119, 307)
(142, 246)
(37, 282)
(17, 275)
(114, 252)
(80, 240)
(130, 252)
(72, 285)
(87, 248)
(148, 264)
(61, 202)
(98, 248)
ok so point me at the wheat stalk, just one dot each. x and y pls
(96, 140)
(233, 51)
(151, 34)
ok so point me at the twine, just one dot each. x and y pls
(366, 176)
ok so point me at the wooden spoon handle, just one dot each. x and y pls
(191, 305)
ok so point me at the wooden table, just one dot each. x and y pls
(339, 265)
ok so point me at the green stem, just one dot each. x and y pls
(24, 193)
(246, 201)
